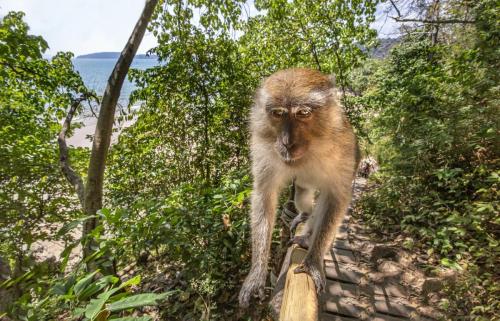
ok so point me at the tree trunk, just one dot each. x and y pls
(90, 194)
(104, 127)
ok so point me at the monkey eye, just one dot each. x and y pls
(304, 113)
(278, 113)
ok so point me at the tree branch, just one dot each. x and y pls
(445, 21)
(312, 44)
(396, 8)
(64, 162)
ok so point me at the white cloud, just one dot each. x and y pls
(81, 26)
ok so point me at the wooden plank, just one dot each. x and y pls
(300, 302)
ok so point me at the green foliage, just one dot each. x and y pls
(74, 295)
(200, 234)
(195, 103)
(89, 298)
(434, 124)
(34, 198)
(327, 35)
(331, 36)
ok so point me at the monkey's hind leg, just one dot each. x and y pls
(303, 239)
(304, 198)
(329, 213)
(300, 240)
(301, 218)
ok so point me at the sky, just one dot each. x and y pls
(86, 26)
(82, 26)
(384, 24)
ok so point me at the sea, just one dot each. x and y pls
(95, 73)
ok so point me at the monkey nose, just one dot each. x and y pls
(287, 142)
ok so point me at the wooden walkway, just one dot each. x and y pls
(350, 296)
(365, 281)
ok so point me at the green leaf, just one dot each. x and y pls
(94, 307)
(131, 282)
(78, 312)
(59, 289)
(97, 286)
(451, 264)
(83, 283)
(138, 300)
(65, 254)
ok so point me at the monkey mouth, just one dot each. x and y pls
(288, 159)
(291, 156)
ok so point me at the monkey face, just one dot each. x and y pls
(295, 104)
(292, 132)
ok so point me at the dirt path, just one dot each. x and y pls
(368, 280)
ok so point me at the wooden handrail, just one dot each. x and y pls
(295, 294)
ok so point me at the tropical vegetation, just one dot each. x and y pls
(171, 239)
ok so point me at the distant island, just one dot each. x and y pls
(113, 55)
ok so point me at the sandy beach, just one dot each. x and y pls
(82, 137)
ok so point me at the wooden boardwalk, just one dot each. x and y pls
(365, 281)
(351, 296)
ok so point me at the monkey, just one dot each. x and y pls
(299, 132)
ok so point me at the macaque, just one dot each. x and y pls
(298, 132)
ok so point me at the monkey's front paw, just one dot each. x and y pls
(302, 241)
(253, 287)
(315, 270)
(302, 217)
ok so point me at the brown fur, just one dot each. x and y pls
(299, 131)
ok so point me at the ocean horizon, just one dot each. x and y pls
(95, 73)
